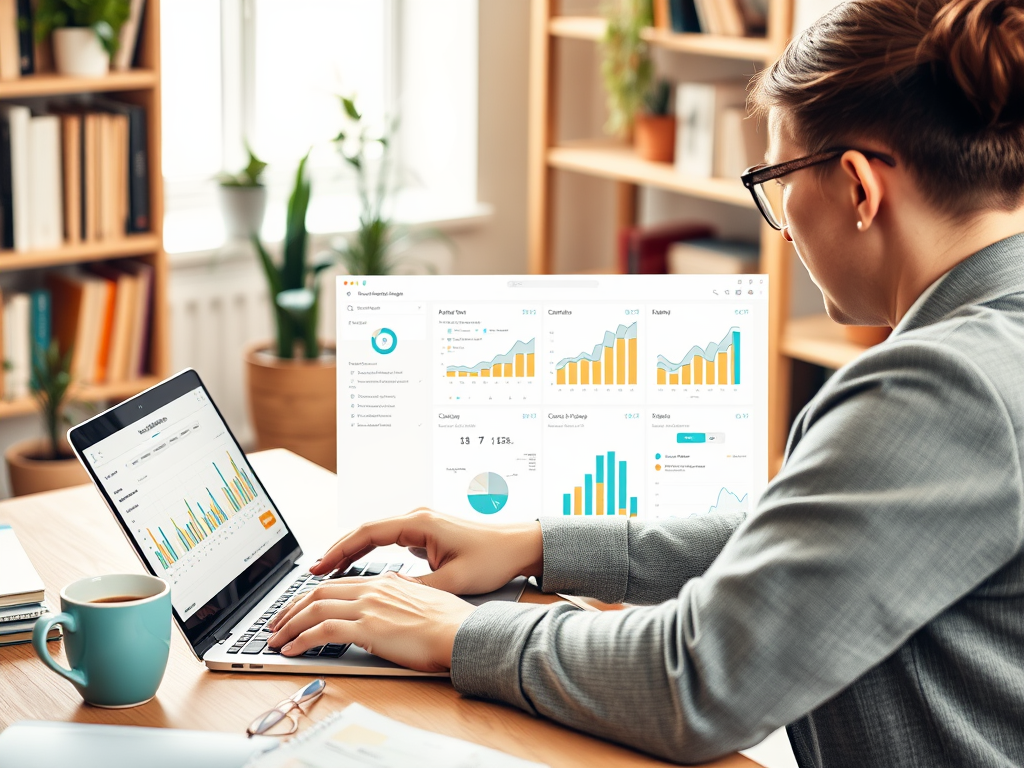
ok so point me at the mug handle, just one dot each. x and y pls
(41, 630)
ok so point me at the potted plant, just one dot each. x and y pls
(637, 105)
(291, 382)
(86, 33)
(44, 465)
(243, 198)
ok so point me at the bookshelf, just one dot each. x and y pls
(816, 339)
(140, 86)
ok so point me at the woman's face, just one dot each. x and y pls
(820, 210)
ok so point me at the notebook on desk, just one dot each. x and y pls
(19, 582)
(197, 515)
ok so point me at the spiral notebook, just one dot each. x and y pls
(357, 737)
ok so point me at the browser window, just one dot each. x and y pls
(505, 398)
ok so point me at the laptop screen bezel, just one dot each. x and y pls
(243, 587)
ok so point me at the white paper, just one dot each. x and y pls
(358, 737)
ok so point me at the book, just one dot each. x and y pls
(698, 114)
(660, 15)
(737, 143)
(707, 256)
(6, 192)
(40, 327)
(10, 46)
(46, 203)
(137, 159)
(26, 47)
(17, 312)
(25, 635)
(359, 737)
(683, 16)
(104, 328)
(17, 118)
(643, 250)
(68, 299)
(91, 176)
(19, 582)
(16, 613)
(126, 288)
(139, 345)
(129, 37)
(71, 129)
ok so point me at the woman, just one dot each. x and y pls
(874, 600)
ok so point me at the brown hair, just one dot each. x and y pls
(940, 83)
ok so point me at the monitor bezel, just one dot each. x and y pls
(247, 585)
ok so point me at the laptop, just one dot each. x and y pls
(197, 515)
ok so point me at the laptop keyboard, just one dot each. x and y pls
(253, 642)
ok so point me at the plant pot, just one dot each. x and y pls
(243, 209)
(29, 473)
(866, 335)
(654, 137)
(77, 52)
(293, 403)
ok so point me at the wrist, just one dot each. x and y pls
(531, 543)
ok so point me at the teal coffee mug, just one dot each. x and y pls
(117, 636)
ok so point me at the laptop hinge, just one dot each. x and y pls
(221, 630)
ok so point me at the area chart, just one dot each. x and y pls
(517, 363)
(718, 363)
(613, 361)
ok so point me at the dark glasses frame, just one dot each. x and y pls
(759, 174)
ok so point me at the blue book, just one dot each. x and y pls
(40, 326)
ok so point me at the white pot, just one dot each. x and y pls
(77, 52)
(243, 209)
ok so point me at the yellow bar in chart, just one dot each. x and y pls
(686, 374)
(560, 376)
(723, 368)
(599, 498)
(609, 366)
(572, 373)
(473, 374)
(584, 371)
(595, 371)
(698, 371)
(620, 361)
(661, 376)
(709, 377)
(632, 361)
(497, 370)
(451, 374)
(486, 373)
(463, 373)
(508, 370)
(529, 364)
(520, 365)
(673, 377)
(577, 500)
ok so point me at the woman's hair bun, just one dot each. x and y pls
(980, 44)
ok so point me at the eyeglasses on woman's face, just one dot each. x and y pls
(764, 185)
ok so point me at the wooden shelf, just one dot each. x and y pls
(743, 48)
(620, 162)
(25, 406)
(819, 340)
(131, 245)
(56, 85)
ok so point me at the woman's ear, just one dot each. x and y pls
(865, 188)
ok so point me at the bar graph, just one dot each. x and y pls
(203, 517)
(603, 492)
(612, 361)
(519, 363)
(717, 363)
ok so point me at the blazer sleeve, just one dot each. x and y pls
(901, 493)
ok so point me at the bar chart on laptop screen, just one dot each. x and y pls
(636, 397)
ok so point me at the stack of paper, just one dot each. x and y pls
(21, 592)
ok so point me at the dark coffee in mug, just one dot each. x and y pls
(116, 599)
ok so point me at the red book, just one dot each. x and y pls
(644, 250)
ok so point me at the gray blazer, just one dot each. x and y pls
(873, 601)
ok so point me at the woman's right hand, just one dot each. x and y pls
(466, 558)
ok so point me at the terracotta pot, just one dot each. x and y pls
(655, 137)
(31, 474)
(293, 403)
(866, 335)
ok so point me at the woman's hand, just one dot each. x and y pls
(467, 558)
(392, 616)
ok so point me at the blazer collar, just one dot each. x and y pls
(995, 271)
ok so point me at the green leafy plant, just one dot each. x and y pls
(294, 284)
(248, 176)
(626, 67)
(51, 378)
(656, 100)
(377, 244)
(104, 17)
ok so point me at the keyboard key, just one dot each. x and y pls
(268, 651)
(244, 638)
(353, 570)
(333, 650)
(374, 569)
(254, 647)
(258, 622)
(234, 649)
(314, 651)
(393, 567)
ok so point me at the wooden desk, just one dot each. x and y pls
(70, 534)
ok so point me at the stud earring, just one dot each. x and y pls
(860, 225)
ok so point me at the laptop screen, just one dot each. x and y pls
(186, 496)
(504, 398)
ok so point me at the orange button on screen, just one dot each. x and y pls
(268, 519)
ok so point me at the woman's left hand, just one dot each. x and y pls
(391, 616)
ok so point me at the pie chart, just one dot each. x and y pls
(488, 493)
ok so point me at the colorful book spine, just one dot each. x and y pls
(41, 328)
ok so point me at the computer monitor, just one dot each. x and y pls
(503, 398)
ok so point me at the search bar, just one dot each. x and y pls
(383, 307)
(553, 284)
